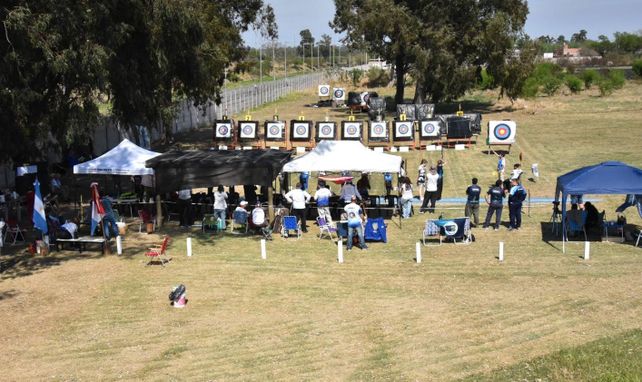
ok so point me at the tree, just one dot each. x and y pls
(59, 57)
(579, 36)
(325, 43)
(306, 41)
(561, 39)
(442, 44)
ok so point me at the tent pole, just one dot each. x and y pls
(159, 212)
(270, 197)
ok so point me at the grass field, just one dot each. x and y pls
(300, 315)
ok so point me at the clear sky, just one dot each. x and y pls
(551, 17)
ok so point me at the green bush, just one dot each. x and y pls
(573, 83)
(545, 70)
(637, 68)
(606, 86)
(530, 88)
(617, 78)
(487, 81)
(377, 77)
(550, 85)
(355, 76)
(590, 77)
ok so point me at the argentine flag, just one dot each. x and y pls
(39, 218)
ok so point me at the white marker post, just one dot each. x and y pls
(340, 251)
(587, 250)
(501, 251)
(263, 250)
(189, 247)
(119, 245)
(418, 252)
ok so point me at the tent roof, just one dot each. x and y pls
(602, 178)
(344, 156)
(207, 168)
(124, 159)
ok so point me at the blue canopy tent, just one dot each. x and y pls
(602, 178)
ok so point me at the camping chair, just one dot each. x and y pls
(239, 218)
(143, 219)
(325, 228)
(573, 227)
(210, 221)
(431, 229)
(158, 252)
(14, 233)
(291, 223)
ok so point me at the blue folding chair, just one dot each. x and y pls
(239, 218)
(290, 223)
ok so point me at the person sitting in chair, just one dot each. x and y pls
(259, 221)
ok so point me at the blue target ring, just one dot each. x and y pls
(502, 132)
(223, 130)
(301, 130)
(248, 130)
(338, 93)
(326, 130)
(378, 129)
(429, 128)
(351, 130)
(324, 90)
(275, 130)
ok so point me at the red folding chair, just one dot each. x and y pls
(158, 252)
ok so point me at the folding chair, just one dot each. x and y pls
(143, 218)
(239, 218)
(291, 223)
(431, 229)
(210, 221)
(14, 233)
(158, 252)
(574, 227)
(326, 228)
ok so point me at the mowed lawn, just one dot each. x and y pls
(299, 315)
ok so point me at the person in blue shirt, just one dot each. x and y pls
(495, 199)
(303, 179)
(516, 196)
(387, 180)
(109, 221)
(472, 201)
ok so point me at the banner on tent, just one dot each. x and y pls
(248, 130)
(274, 130)
(300, 130)
(326, 130)
(501, 132)
(223, 130)
(404, 131)
(378, 131)
(324, 90)
(430, 129)
(351, 130)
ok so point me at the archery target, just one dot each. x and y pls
(300, 130)
(324, 90)
(223, 130)
(501, 132)
(274, 130)
(430, 129)
(352, 129)
(404, 130)
(339, 94)
(378, 130)
(247, 130)
(326, 130)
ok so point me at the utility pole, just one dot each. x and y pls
(285, 59)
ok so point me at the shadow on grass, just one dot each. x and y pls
(468, 106)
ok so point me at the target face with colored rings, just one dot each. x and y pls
(223, 130)
(247, 130)
(301, 130)
(326, 130)
(352, 130)
(275, 130)
(338, 93)
(324, 90)
(378, 129)
(429, 128)
(502, 131)
(403, 129)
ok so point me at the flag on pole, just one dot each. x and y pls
(39, 218)
(97, 209)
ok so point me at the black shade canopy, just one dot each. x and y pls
(208, 168)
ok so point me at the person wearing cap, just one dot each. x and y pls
(356, 219)
(432, 188)
(473, 193)
(242, 206)
(299, 198)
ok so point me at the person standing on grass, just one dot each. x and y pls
(432, 187)
(322, 196)
(516, 197)
(406, 197)
(473, 193)
(356, 218)
(495, 199)
(185, 207)
(387, 181)
(421, 178)
(304, 177)
(501, 166)
(220, 205)
(517, 172)
(348, 190)
(299, 197)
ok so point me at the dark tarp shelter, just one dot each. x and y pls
(208, 168)
(603, 178)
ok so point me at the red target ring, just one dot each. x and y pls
(502, 132)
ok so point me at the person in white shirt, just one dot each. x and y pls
(517, 172)
(406, 197)
(356, 219)
(259, 220)
(185, 207)
(322, 196)
(220, 205)
(299, 198)
(432, 188)
(71, 228)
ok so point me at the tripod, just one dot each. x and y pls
(556, 218)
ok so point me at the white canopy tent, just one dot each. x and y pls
(344, 156)
(124, 159)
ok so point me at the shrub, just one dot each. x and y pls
(606, 86)
(590, 76)
(355, 76)
(573, 83)
(530, 88)
(544, 70)
(487, 81)
(617, 78)
(377, 77)
(551, 84)
(637, 68)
